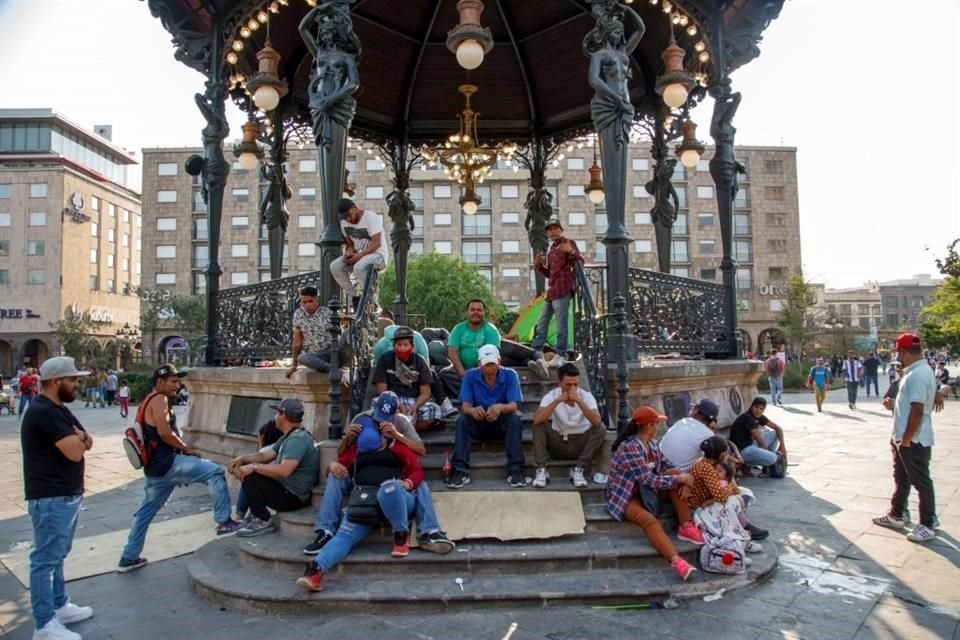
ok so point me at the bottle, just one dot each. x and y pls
(447, 467)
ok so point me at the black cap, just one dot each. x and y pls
(554, 222)
(344, 206)
(290, 407)
(403, 332)
(708, 409)
(164, 371)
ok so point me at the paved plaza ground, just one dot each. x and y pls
(840, 577)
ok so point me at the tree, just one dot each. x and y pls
(72, 334)
(798, 318)
(940, 319)
(161, 309)
(439, 288)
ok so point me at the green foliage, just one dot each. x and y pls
(439, 287)
(940, 319)
(72, 334)
(798, 318)
(505, 321)
(140, 385)
(160, 309)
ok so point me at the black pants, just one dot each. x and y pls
(111, 397)
(263, 492)
(911, 467)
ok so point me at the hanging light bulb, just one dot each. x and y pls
(675, 83)
(248, 152)
(469, 40)
(470, 201)
(594, 188)
(690, 149)
(266, 86)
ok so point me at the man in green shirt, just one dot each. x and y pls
(464, 344)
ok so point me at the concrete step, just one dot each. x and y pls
(220, 574)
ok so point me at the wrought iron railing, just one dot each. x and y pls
(589, 336)
(363, 337)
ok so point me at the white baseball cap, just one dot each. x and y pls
(60, 367)
(489, 354)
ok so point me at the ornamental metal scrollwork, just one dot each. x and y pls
(590, 338)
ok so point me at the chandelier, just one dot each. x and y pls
(462, 157)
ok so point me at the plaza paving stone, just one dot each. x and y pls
(857, 582)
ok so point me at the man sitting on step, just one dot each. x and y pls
(396, 426)
(575, 430)
(408, 375)
(282, 477)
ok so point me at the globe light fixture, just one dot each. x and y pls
(594, 188)
(469, 40)
(675, 84)
(266, 86)
(248, 152)
(690, 149)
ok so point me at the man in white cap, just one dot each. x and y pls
(53, 443)
(490, 397)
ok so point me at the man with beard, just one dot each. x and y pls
(408, 375)
(53, 443)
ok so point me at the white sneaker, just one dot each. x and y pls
(543, 477)
(921, 533)
(753, 547)
(70, 613)
(447, 408)
(53, 630)
(539, 367)
(558, 361)
(576, 477)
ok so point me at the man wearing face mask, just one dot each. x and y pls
(408, 375)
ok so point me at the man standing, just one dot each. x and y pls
(759, 439)
(557, 266)
(871, 367)
(29, 386)
(111, 387)
(281, 477)
(171, 463)
(363, 236)
(575, 431)
(490, 397)
(912, 441)
(311, 333)
(681, 443)
(463, 346)
(852, 374)
(819, 378)
(773, 367)
(408, 375)
(53, 443)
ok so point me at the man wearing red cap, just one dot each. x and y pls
(912, 441)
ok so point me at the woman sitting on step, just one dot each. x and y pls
(394, 471)
(640, 476)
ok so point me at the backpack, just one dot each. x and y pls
(722, 555)
(134, 444)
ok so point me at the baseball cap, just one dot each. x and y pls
(647, 415)
(385, 407)
(344, 206)
(708, 409)
(164, 371)
(368, 439)
(402, 332)
(553, 222)
(905, 340)
(488, 354)
(290, 407)
(60, 367)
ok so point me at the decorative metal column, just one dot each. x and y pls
(327, 31)
(620, 328)
(402, 157)
(536, 157)
(666, 201)
(335, 423)
(609, 51)
(724, 169)
(276, 193)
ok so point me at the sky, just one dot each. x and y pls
(867, 90)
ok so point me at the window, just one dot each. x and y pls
(199, 206)
(575, 164)
(743, 250)
(200, 229)
(773, 193)
(5, 191)
(776, 220)
(600, 223)
(891, 320)
(485, 195)
(510, 274)
(166, 197)
(166, 278)
(682, 272)
(36, 276)
(237, 168)
(742, 199)
(777, 305)
(94, 256)
(239, 278)
(575, 190)
(240, 221)
(576, 219)
(307, 166)
(510, 217)
(37, 219)
(416, 248)
(239, 250)
(707, 247)
(94, 230)
(705, 219)
(167, 169)
(417, 224)
(38, 190)
(352, 166)
(444, 247)
(307, 222)
(308, 193)
(477, 252)
(374, 164)
(416, 194)
(777, 273)
(4, 219)
(744, 278)
(510, 191)
(124, 264)
(306, 249)
(111, 235)
(112, 210)
(846, 309)
(600, 252)
(110, 286)
(126, 239)
(679, 251)
(708, 274)
(110, 261)
(773, 166)
(34, 247)
(442, 220)
(705, 192)
(639, 191)
(641, 164)
(139, 244)
(487, 273)
(126, 216)
(776, 245)
(4, 248)
(167, 224)
(442, 191)
(680, 225)
(479, 224)
(166, 251)
(510, 246)
(201, 256)
(863, 309)
(891, 301)
(876, 310)
(741, 224)
(241, 195)
(4, 276)
(864, 323)
(643, 246)
(95, 203)
(703, 165)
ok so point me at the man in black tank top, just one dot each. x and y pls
(171, 463)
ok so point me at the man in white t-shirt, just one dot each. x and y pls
(681, 443)
(363, 236)
(575, 430)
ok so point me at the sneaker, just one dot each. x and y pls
(318, 543)
(436, 542)
(127, 565)
(539, 368)
(542, 479)
(683, 568)
(447, 408)
(401, 544)
(689, 532)
(256, 527)
(312, 579)
(558, 362)
(747, 562)
(515, 479)
(54, 630)
(756, 533)
(458, 480)
(753, 547)
(890, 521)
(576, 477)
(921, 533)
(70, 613)
(230, 526)
(600, 478)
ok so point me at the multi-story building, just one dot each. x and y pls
(69, 234)
(858, 308)
(766, 222)
(904, 299)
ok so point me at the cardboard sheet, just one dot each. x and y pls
(509, 515)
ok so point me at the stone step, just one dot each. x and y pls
(220, 575)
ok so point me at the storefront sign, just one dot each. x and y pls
(97, 315)
(17, 314)
(73, 209)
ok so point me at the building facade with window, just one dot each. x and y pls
(903, 300)
(766, 222)
(69, 234)
(858, 308)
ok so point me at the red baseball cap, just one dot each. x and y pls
(905, 340)
(647, 415)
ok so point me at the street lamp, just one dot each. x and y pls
(675, 84)
(689, 148)
(469, 40)
(249, 152)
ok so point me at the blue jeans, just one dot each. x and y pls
(242, 503)
(754, 455)
(330, 512)
(54, 523)
(185, 470)
(24, 403)
(396, 503)
(776, 389)
(556, 307)
(868, 378)
(507, 427)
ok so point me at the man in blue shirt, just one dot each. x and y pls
(490, 397)
(819, 378)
